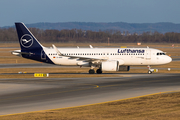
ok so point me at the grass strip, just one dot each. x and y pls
(159, 106)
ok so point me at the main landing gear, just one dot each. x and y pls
(150, 70)
(91, 71)
(98, 71)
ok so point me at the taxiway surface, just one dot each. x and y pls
(26, 95)
(45, 65)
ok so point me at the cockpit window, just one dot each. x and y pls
(161, 54)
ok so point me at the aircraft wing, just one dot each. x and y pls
(86, 59)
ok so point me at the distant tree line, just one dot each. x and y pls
(80, 36)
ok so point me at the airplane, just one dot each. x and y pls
(105, 59)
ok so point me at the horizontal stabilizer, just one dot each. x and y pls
(18, 53)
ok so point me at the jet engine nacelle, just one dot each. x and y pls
(124, 68)
(110, 66)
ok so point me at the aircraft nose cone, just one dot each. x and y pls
(169, 59)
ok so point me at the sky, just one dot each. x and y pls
(130, 11)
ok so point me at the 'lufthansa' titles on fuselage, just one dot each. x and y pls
(130, 51)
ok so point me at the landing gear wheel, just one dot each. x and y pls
(149, 72)
(98, 71)
(91, 71)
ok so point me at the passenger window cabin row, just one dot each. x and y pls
(76, 54)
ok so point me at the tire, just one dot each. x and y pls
(91, 71)
(149, 72)
(99, 71)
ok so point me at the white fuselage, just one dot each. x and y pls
(125, 56)
(106, 59)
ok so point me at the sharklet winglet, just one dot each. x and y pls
(58, 52)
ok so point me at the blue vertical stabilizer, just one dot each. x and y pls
(26, 38)
(30, 46)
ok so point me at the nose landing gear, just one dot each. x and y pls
(150, 70)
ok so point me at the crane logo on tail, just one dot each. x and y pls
(26, 41)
